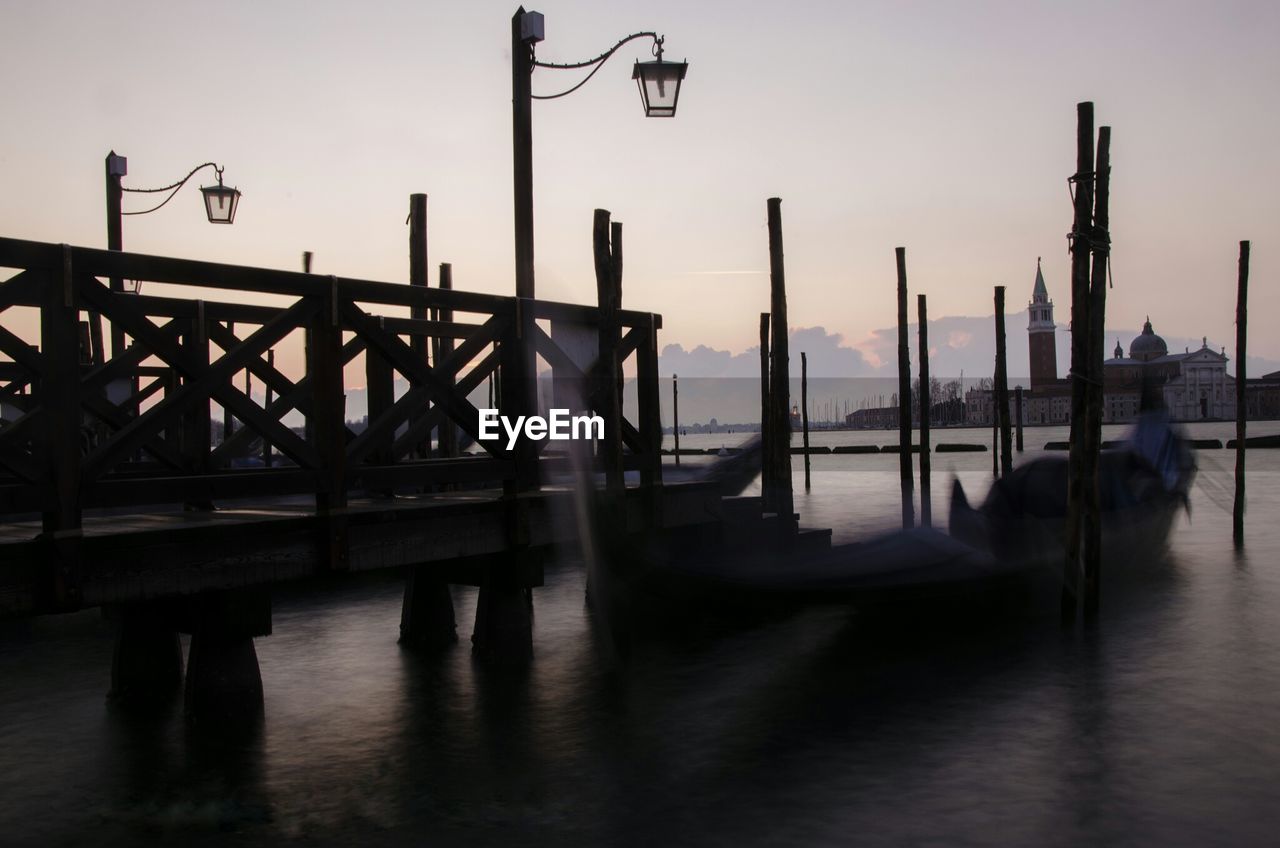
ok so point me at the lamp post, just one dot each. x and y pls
(659, 83)
(220, 205)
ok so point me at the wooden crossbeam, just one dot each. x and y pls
(271, 378)
(22, 289)
(21, 352)
(404, 360)
(298, 397)
(21, 464)
(206, 381)
(419, 428)
(549, 350)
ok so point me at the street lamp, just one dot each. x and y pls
(659, 83)
(220, 206)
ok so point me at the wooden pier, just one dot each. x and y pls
(115, 493)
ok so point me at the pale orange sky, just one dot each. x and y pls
(941, 126)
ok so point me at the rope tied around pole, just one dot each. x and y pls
(1083, 378)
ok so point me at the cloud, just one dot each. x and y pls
(827, 353)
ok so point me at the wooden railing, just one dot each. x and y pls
(89, 428)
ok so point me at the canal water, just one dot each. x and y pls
(1160, 725)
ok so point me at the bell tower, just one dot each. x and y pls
(1041, 334)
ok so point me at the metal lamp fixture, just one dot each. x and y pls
(220, 202)
(659, 84)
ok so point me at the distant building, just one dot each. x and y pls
(1193, 385)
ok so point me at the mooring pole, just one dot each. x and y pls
(419, 274)
(766, 467)
(804, 413)
(1017, 414)
(228, 422)
(271, 398)
(448, 430)
(307, 341)
(607, 395)
(1082, 181)
(1099, 244)
(522, 152)
(1242, 290)
(115, 168)
(779, 374)
(904, 396)
(1002, 389)
(926, 508)
(675, 413)
(995, 432)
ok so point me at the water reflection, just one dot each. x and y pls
(989, 725)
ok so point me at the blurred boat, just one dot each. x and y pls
(1143, 484)
(1013, 539)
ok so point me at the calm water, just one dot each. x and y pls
(1161, 725)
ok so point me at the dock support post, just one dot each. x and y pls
(146, 664)
(224, 683)
(426, 616)
(504, 610)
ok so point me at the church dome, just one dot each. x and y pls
(1148, 345)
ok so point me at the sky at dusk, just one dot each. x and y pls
(945, 127)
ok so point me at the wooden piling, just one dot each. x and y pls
(270, 399)
(1002, 389)
(1242, 290)
(675, 414)
(448, 430)
(606, 391)
(995, 432)
(926, 508)
(904, 396)
(766, 467)
(1017, 415)
(1099, 246)
(379, 396)
(1083, 200)
(228, 422)
(804, 414)
(779, 376)
(419, 275)
(309, 424)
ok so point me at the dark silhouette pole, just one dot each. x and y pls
(1099, 245)
(779, 379)
(926, 508)
(904, 396)
(522, 147)
(675, 413)
(116, 167)
(1082, 181)
(1002, 389)
(1242, 291)
(804, 413)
